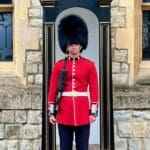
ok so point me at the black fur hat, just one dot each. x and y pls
(72, 30)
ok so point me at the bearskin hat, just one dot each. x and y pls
(72, 30)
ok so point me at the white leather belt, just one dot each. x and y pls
(74, 93)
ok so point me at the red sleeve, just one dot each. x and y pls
(53, 84)
(93, 85)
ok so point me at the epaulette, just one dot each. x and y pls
(61, 60)
(88, 60)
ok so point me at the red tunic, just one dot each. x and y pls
(81, 74)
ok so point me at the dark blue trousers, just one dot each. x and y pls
(66, 134)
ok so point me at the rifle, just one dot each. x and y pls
(61, 83)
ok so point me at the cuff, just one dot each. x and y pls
(51, 109)
(94, 109)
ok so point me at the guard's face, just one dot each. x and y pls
(74, 49)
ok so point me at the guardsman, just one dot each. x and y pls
(79, 101)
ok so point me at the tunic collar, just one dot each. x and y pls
(74, 58)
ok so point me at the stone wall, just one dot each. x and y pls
(132, 117)
(131, 101)
(33, 61)
(21, 103)
(119, 46)
(20, 116)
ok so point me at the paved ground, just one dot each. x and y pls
(91, 147)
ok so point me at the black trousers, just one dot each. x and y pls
(66, 134)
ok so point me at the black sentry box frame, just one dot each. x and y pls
(51, 9)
